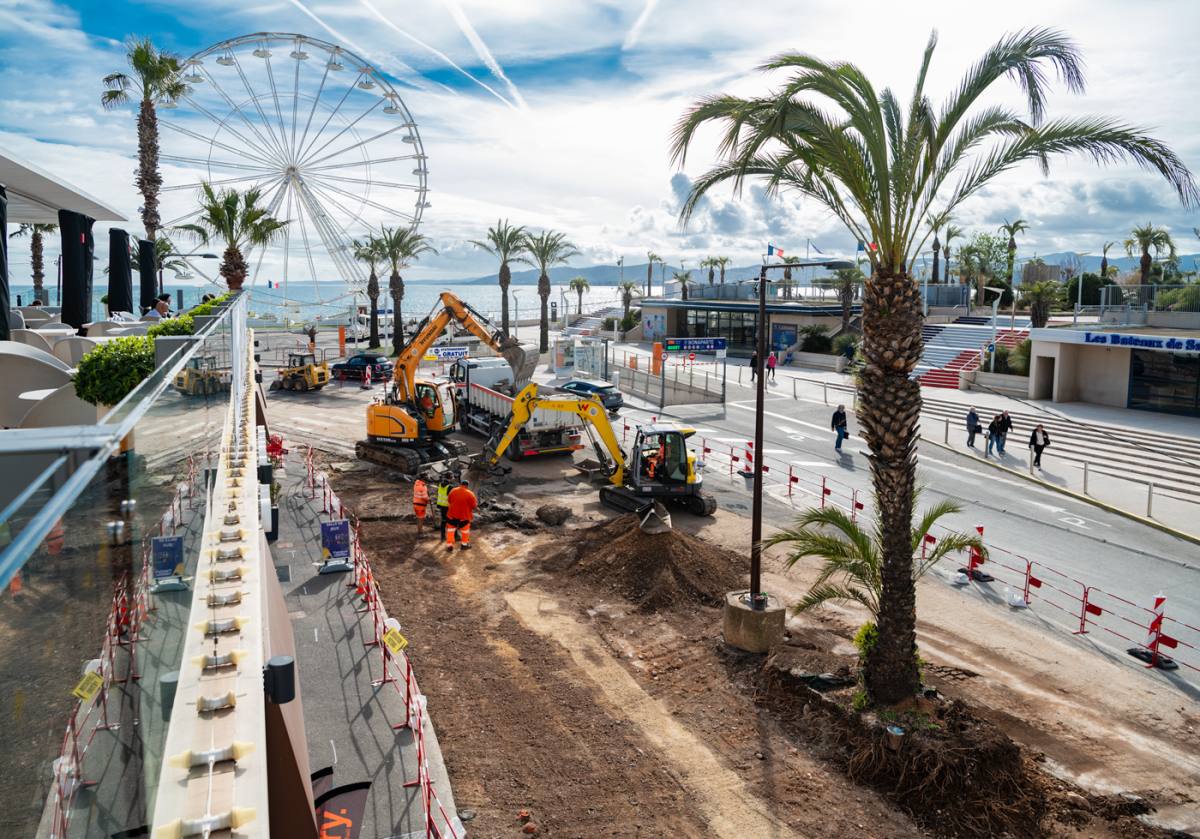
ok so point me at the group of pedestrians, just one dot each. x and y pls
(772, 362)
(456, 505)
(997, 433)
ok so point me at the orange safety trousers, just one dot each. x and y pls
(462, 527)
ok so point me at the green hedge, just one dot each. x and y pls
(181, 325)
(207, 308)
(108, 373)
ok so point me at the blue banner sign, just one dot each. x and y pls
(168, 556)
(335, 539)
(693, 344)
(446, 353)
(1148, 342)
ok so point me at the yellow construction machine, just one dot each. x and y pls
(658, 467)
(303, 372)
(201, 377)
(411, 424)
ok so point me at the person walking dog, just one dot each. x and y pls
(973, 427)
(458, 519)
(1038, 441)
(838, 424)
(420, 502)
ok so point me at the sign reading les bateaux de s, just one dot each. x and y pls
(1144, 342)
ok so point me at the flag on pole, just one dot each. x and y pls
(774, 251)
(861, 248)
(815, 248)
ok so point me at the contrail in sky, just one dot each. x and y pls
(369, 6)
(481, 49)
(635, 32)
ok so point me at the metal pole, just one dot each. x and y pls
(793, 388)
(724, 376)
(1149, 499)
(1085, 477)
(995, 312)
(825, 392)
(662, 382)
(946, 432)
(1078, 298)
(756, 599)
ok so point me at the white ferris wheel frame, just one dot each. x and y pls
(280, 154)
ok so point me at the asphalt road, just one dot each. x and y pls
(1113, 554)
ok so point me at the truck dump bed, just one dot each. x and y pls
(500, 406)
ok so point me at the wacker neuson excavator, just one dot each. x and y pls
(659, 466)
(411, 424)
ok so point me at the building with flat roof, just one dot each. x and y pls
(1144, 367)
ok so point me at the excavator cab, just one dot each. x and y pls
(661, 458)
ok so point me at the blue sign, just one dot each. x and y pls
(693, 344)
(445, 353)
(168, 556)
(991, 347)
(335, 539)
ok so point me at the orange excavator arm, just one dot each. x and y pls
(452, 309)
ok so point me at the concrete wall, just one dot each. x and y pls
(1082, 373)
(819, 361)
(1005, 383)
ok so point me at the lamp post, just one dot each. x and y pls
(516, 314)
(181, 256)
(999, 292)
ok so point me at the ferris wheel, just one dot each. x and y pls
(321, 133)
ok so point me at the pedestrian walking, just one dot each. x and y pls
(1038, 441)
(973, 427)
(443, 501)
(1006, 426)
(772, 360)
(420, 502)
(461, 511)
(753, 364)
(993, 435)
(838, 424)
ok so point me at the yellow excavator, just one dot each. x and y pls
(411, 424)
(659, 466)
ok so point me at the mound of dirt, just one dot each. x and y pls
(653, 571)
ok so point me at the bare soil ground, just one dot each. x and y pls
(579, 674)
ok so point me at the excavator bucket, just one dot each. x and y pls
(522, 358)
(656, 519)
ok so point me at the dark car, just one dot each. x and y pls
(353, 367)
(609, 395)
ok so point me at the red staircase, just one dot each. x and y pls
(947, 376)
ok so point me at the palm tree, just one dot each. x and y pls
(1104, 260)
(1144, 239)
(684, 278)
(846, 280)
(36, 254)
(239, 221)
(368, 251)
(579, 285)
(651, 258)
(853, 555)
(952, 232)
(880, 172)
(1012, 229)
(1041, 297)
(400, 247)
(503, 241)
(787, 283)
(154, 81)
(628, 290)
(722, 262)
(711, 264)
(936, 223)
(544, 251)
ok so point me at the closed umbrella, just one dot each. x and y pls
(120, 277)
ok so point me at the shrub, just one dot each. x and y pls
(181, 325)
(609, 324)
(108, 373)
(865, 639)
(629, 322)
(207, 308)
(845, 344)
(1018, 359)
(815, 340)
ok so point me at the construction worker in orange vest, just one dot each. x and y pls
(420, 502)
(459, 515)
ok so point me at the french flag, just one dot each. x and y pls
(774, 251)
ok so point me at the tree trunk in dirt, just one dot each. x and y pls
(148, 180)
(889, 410)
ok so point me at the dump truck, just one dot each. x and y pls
(486, 388)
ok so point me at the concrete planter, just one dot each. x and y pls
(1005, 383)
(821, 361)
(166, 345)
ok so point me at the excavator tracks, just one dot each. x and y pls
(409, 460)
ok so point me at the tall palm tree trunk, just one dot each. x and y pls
(936, 247)
(649, 278)
(36, 257)
(946, 269)
(1147, 262)
(1103, 268)
(544, 326)
(373, 343)
(149, 181)
(505, 282)
(397, 289)
(579, 307)
(847, 295)
(889, 411)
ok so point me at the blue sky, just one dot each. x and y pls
(556, 114)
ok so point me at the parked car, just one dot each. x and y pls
(353, 367)
(609, 395)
